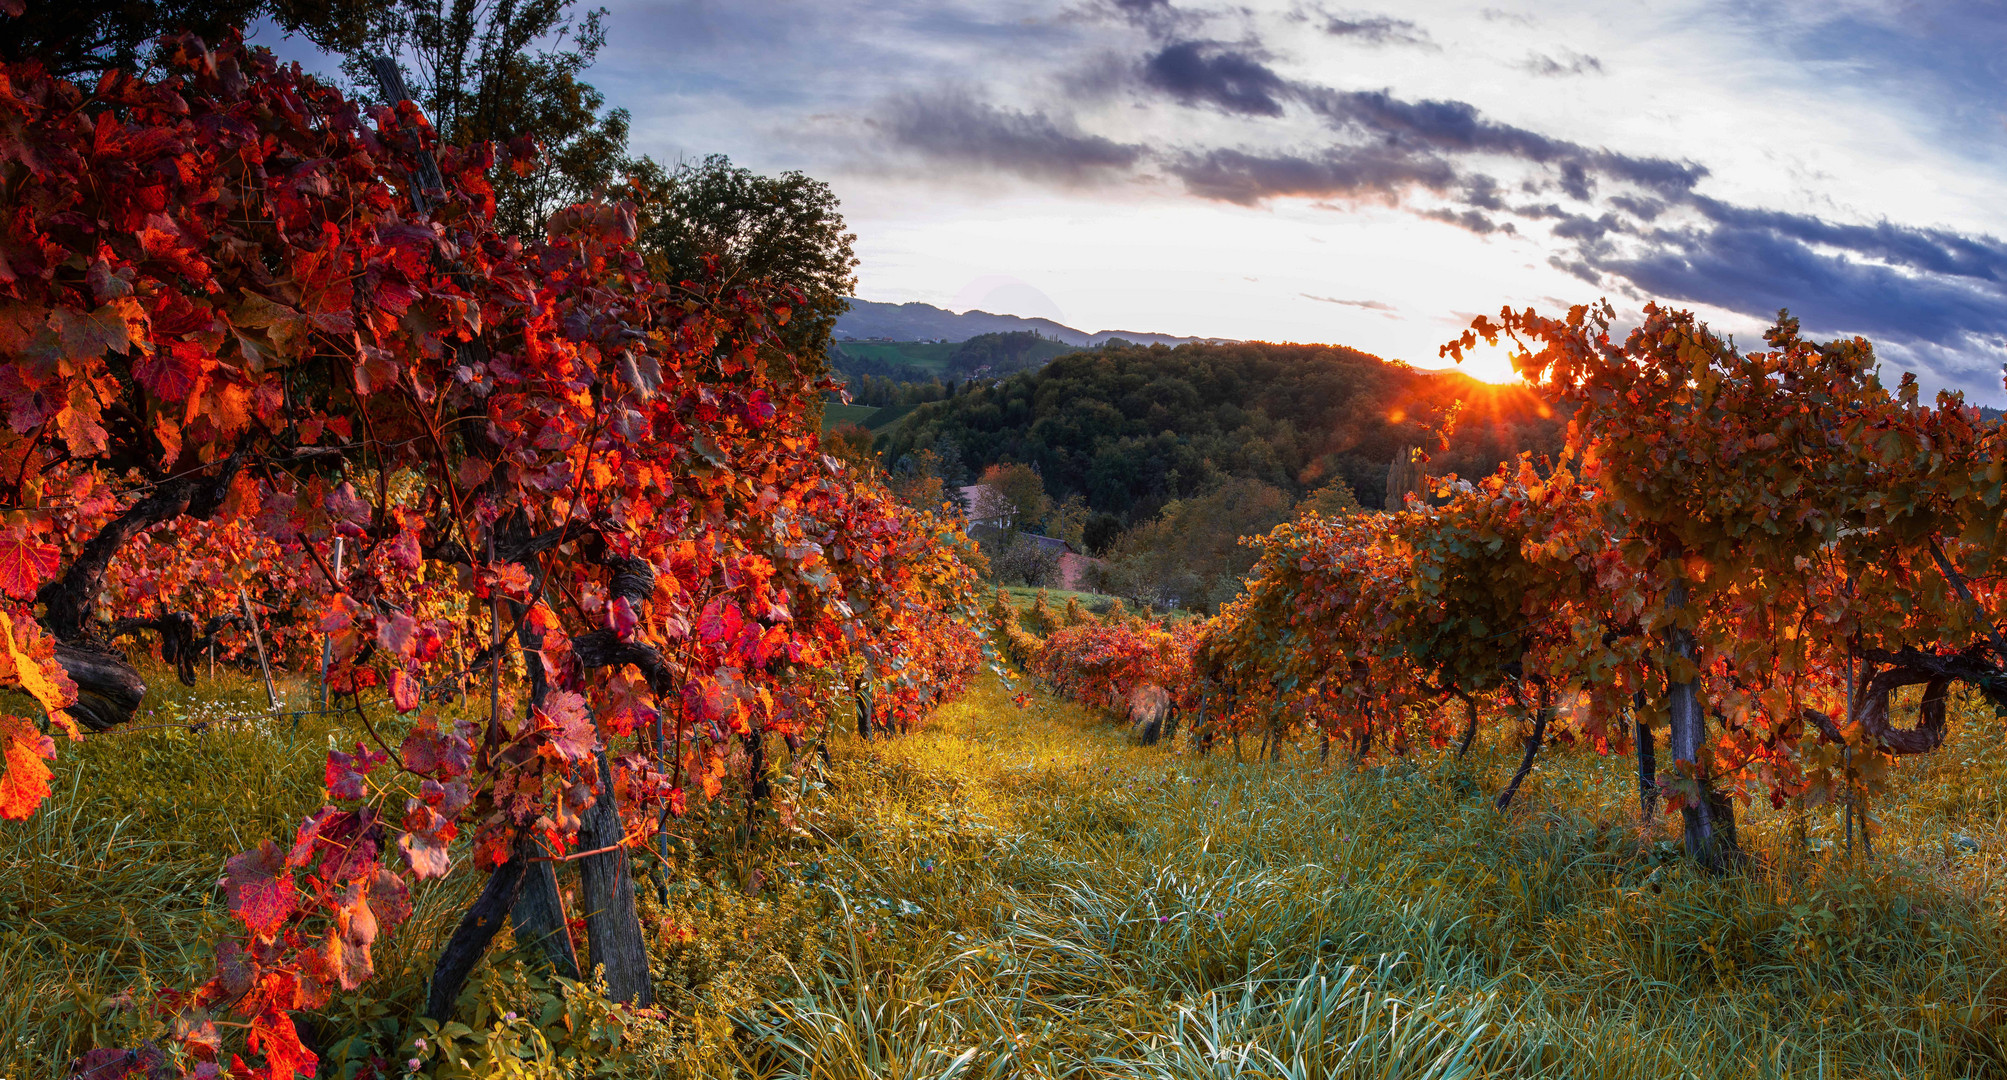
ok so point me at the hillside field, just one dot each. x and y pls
(927, 355)
(1022, 891)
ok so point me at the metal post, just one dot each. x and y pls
(327, 647)
(257, 639)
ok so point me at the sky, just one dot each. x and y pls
(1374, 176)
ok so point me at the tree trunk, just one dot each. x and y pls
(1469, 725)
(612, 926)
(1648, 766)
(1542, 712)
(1709, 835)
(864, 724)
(757, 787)
(538, 915)
(470, 939)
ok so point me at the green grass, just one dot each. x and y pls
(836, 414)
(883, 420)
(929, 355)
(1024, 596)
(1023, 892)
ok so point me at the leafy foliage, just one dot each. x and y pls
(228, 311)
(784, 230)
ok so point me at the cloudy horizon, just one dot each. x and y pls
(1372, 176)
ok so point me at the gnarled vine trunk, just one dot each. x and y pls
(1543, 712)
(109, 688)
(1709, 821)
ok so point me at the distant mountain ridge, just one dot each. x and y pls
(925, 322)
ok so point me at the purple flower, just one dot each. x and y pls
(412, 1064)
(1163, 919)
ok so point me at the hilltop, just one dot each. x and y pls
(915, 322)
(1130, 428)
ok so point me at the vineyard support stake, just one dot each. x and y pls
(258, 639)
(327, 646)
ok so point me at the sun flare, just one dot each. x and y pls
(1488, 363)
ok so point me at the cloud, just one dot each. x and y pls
(1203, 72)
(1635, 225)
(1369, 305)
(958, 129)
(1404, 139)
(1754, 268)
(1239, 176)
(1569, 63)
(1378, 30)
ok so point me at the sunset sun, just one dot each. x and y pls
(1489, 363)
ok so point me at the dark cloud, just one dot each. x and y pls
(1203, 72)
(958, 129)
(1569, 63)
(1756, 262)
(1934, 251)
(1236, 81)
(1474, 220)
(1369, 305)
(1238, 176)
(1458, 127)
(1377, 30)
(1158, 17)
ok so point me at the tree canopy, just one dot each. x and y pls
(786, 230)
(1131, 428)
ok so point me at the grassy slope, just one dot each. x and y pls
(929, 355)
(836, 414)
(1024, 887)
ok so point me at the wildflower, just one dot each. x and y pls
(1163, 919)
(412, 1064)
(419, 1043)
(509, 1016)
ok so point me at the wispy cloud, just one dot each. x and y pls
(1568, 62)
(1377, 30)
(1369, 305)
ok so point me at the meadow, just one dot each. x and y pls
(1022, 891)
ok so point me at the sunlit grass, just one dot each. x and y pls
(1024, 892)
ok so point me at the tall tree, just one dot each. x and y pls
(786, 230)
(508, 72)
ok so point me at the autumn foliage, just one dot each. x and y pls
(1747, 551)
(244, 321)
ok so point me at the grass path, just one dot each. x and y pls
(1021, 892)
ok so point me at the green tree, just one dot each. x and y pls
(79, 38)
(1130, 429)
(1012, 499)
(508, 72)
(1334, 499)
(787, 229)
(1191, 555)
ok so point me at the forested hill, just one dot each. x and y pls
(1130, 428)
